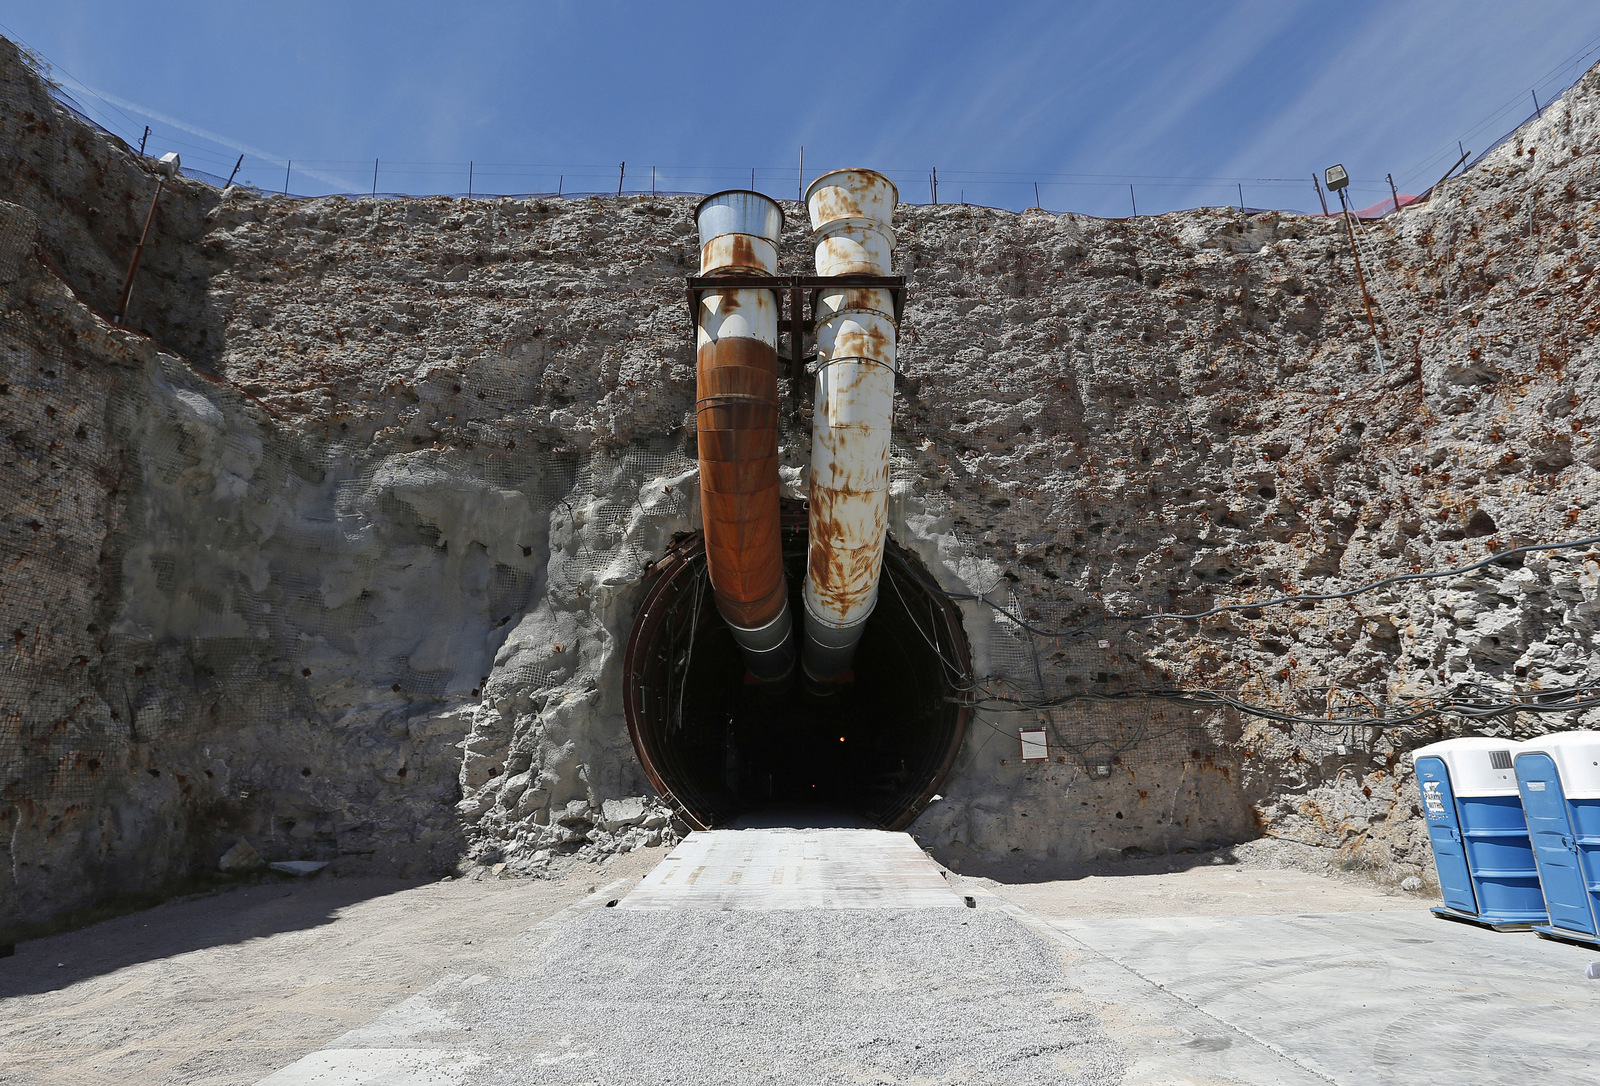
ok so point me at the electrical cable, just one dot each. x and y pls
(1474, 705)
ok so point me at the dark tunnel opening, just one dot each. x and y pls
(718, 747)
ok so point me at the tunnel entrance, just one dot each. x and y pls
(718, 747)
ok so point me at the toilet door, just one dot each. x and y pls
(1444, 830)
(1554, 848)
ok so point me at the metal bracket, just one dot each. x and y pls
(802, 291)
(793, 285)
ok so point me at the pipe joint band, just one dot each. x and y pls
(822, 364)
(765, 638)
(835, 314)
(827, 631)
(851, 222)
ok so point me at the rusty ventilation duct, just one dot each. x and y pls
(854, 405)
(736, 410)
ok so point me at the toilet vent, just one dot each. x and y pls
(1500, 759)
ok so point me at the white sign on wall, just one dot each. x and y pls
(1035, 745)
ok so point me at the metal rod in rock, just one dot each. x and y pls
(1361, 278)
(235, 172)
(133, 265)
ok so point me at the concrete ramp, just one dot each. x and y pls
(771, 869)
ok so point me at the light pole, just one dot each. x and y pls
(167, 167)
(1338, 180)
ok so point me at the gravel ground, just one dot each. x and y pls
(696, 996)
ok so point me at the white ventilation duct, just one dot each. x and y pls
(854, 407)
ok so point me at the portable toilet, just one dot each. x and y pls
(1480, 839)
(1559, 776)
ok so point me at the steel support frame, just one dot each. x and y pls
(801, 291)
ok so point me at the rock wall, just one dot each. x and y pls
(337, 545)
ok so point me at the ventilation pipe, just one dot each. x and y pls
(855, 335)
(736, 412)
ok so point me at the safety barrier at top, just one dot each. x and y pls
(1382, 207)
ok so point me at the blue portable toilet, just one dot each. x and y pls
(1559, 776)
(1480, 838)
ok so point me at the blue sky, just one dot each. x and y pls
(1188, 102)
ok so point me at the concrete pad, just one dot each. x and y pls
(1206, 890)
(768, 869)
(1394, 996)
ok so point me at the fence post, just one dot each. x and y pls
(622, 171)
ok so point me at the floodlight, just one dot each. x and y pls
(168, 165)
(1336, 178)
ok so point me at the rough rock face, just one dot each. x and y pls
(337, 546)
